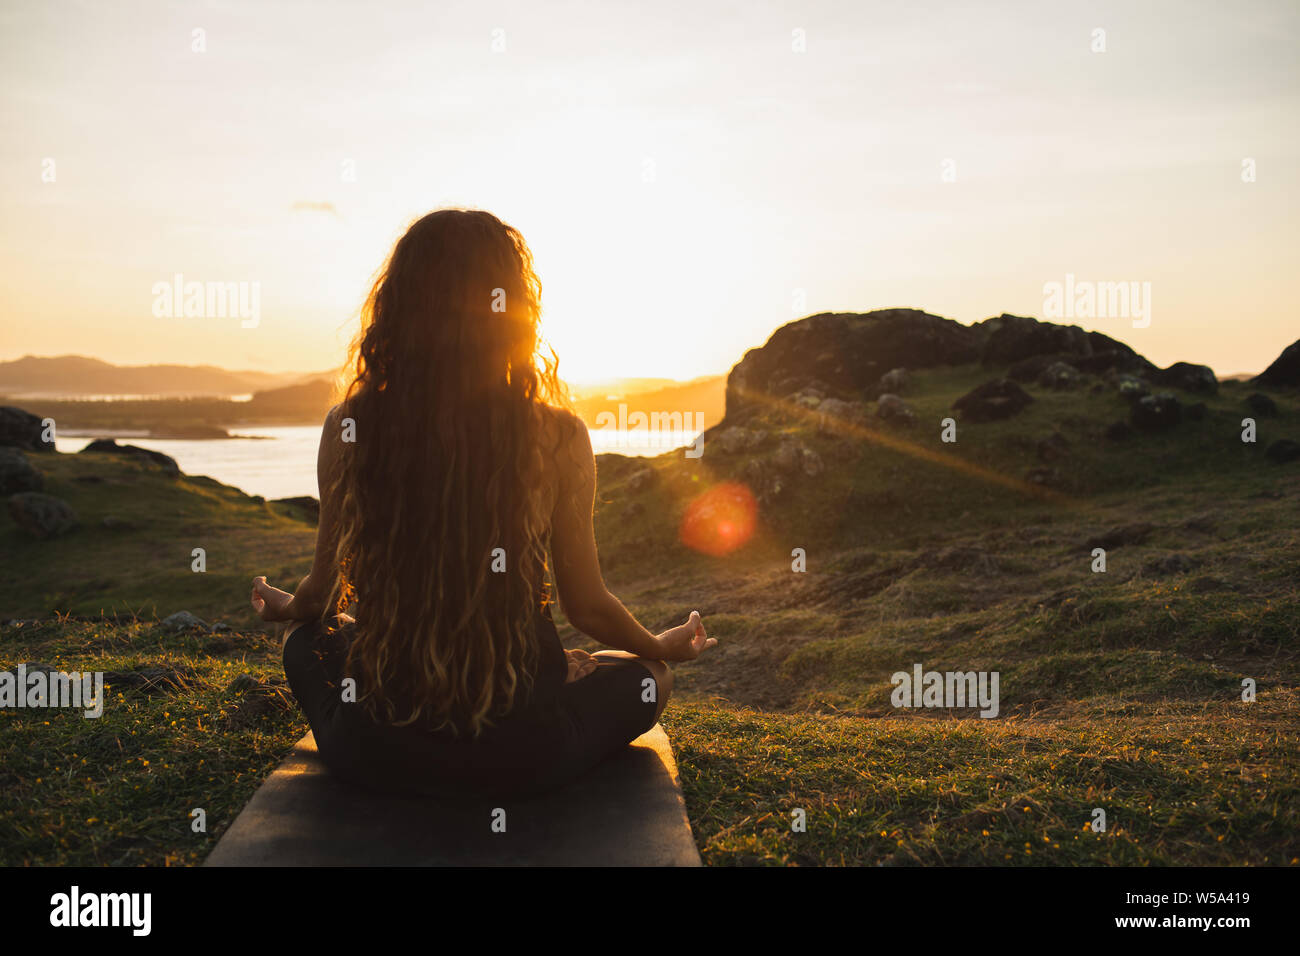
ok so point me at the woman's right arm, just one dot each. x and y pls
(586, 601)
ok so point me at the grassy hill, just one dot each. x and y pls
(1119, 690)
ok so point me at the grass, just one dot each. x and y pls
(191, 721)
(1119, 690)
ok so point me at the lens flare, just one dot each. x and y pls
(720, 520)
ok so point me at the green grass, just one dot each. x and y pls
(148, 569)
(120, 789)
(1213, 785)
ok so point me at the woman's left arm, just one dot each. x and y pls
(308, 602)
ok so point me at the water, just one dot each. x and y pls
(281, 462)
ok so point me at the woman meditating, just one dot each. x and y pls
(453, 487)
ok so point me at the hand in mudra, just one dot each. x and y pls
(686, 641)
(580, 665)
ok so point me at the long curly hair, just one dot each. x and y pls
(445, 469)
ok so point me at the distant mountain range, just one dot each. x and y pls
(78, 375)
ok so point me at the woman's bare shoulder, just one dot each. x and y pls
(560, 425)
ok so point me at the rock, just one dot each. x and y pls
(307, 503)
(847, 352)
(891, 408)
(998, 399)
(1059, 375)
(1285, 370)
(834, 414)
(1013, 338)
(1154, 413)
(110, 446)
(1261, 405)
(40, 515)
(895, 382)
(1170, 564)
(793, 455)
(1132, 387)
(1188, 377)
(21, 429)
(17, 473)
(1196, 412)
(182, 621)
(1124, 534)
(1283, 451)
(220, 628)
(1119, 431)
(736, 439)
(1053, 447)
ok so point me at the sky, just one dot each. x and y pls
(690, 175)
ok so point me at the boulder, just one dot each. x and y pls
(735, 439)
(1283, 451)
(182, 621)
(40, 515)
(1261, 405)
(17, 473)
(1188, 377)
(1153, 413)
(994, 400)
(1285, 370)
(895, 382)
(111, 447)
(833, 414)
(1058, 375)
(891, 408)
(1131, 387)
(21, 429)
(794, 456)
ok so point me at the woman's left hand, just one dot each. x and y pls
(271, 604)
(580, 665)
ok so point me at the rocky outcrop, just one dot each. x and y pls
(1188, 377)
(111, 447)
(42, 516)
(17, 473)
(21, 429)
(1285, 370)
(1011, 339)
(846, 354)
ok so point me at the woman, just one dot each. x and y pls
(447, 475)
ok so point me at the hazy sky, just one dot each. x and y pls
(679, 169)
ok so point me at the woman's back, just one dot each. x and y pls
(455, 491)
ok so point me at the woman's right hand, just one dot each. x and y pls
(270, 603)
(686, 641)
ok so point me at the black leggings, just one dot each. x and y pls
(541, 747)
